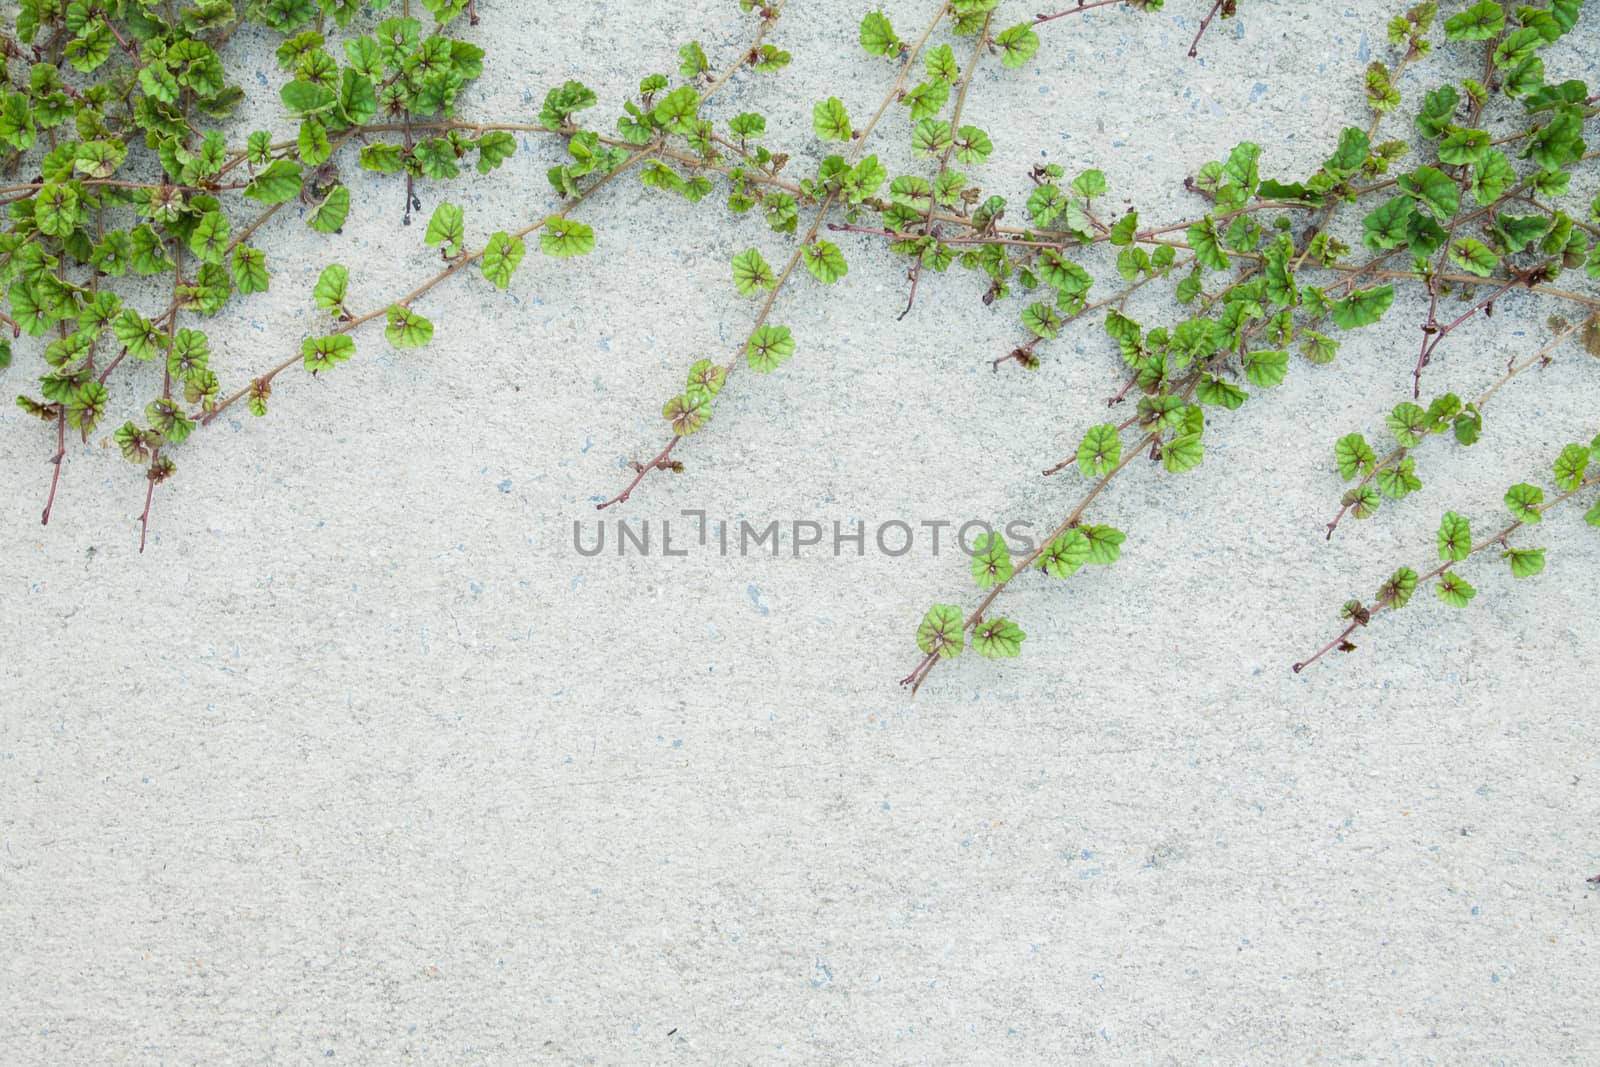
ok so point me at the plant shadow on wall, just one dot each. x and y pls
(116, 106)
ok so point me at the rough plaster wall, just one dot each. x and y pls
(361, 762)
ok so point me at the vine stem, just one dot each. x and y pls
(1040, 20)
(1434, 334)
(1205, 23)
(944, 158)
(149, 499)
(56, 461)
(1430, 324)
(662, 459)
(1497, 539)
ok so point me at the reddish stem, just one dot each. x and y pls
(149, 498)
(1194, 48)
(61, 454)
(1329, 647)
(643, 469)
(1040, 20)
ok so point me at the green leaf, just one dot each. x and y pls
(250, 270)
(747, 125)
(1351, 155)
(1409, 424)
(447, 227)
(564, 237)
(1433, 190)
(1397, 591)
(501, 258)
(329, 215)
(1386, 226)
(1218, 393)
(688, 413)
(824, 260)
(1468, 426)
(941, 633)
(927, 99)
(1455, 537)
(1183, 453)
(676, 112)
(998, 638)
(830, 120)
(1438, 108)
(931, 137)
(209, 239)
(878, 36)
(1464, 146)
(1454, 589)
(1525, 562)
(1017, 45)
(912, 192)
(1480, 22)
(692, 60)
(1265, 369)
(302, 98)
(1491, 177)
(768, 347)
(1364, 307)
(1100, 451)
(57, 209)
(1473, 256)
(406, 328)
(1206, 245)
(323, 353)
(972, 145)
(1571, 465)
(1523, 501)
(332, 288)
(1353, 456)
(1066, 554)
(991, 560)
(941, 64)
(1317, 348)
(1105, 544)
(1362, 501)
(751, 273)
(707, 377)
(168, 419)
(1042, 320)
(1399, 480)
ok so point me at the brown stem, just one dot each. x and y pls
(61, 454)
(1434, 334)
(642, 469)
(1329, 647)
(1040, 20)
(1194, 47)
(944, 159)
(149, 499)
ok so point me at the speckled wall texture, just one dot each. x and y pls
(363, 762)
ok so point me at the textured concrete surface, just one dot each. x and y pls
(361, 762)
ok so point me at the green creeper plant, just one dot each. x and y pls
(1575, 474)
(119, 102)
